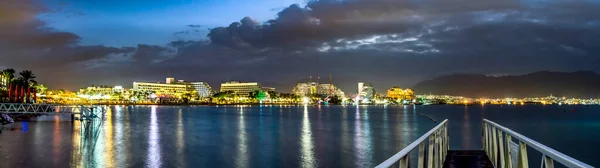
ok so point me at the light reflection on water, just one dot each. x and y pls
(158, 136)
(180, 138)
(466, 128)
(241, 159)
(120, 153)
(76, 155)
(273, 136)
(362, 139)
(109, 144)
(154, 155)
(56, 141)
(306, 142)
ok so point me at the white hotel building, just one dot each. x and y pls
(174, 89)
(241, 88)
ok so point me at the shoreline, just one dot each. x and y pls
(294, 104)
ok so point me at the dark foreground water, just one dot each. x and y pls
(273, 136)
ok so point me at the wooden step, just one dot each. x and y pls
(467, 159)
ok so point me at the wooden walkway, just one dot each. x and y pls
(467, 159)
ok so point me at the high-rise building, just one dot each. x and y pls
(303, 89)
(308, 88)
(202, 88)
(360, 87)
(240, 88)
(329, 90)
(163, 90)
(366, 91)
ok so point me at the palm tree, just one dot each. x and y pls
(8, 76)
(28, 78)
(41, 88)
(116, 96)
(142, 94)
(187, 96)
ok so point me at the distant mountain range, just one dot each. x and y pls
(580, 84)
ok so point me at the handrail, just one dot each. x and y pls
(548, 154)
(26, 108)
(438, 140)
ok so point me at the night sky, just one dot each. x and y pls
(74, 43)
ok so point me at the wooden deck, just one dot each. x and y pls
(467, 159)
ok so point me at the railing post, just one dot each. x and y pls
(404, 162)
(440, 146)
(501, 147)
(488, 142)
(421, 161)
(484, 138)
(495, 147)
(430, 151)
(508, 155)
(446, 141)
(548, 162)
(523, 162)
(440, 149)
(436, 151)
(496, 141)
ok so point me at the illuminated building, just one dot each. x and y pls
(170, 80)
(268, 89)
(240, 88)
(360, 87)
(174, 89)
(101, 90)
(329, 90)
(399, 93)
(304, 89)
(202, 88)
(366, 91)
(118, 89)
(308, 88)
(171, 90)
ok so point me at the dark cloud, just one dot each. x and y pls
(384, 42)
(423, 39)
(57, 57)
(194, 26)
(192, 31)
(327, 20)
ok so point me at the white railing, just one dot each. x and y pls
(84, 111)
(436, 153)
(26, 108)
(496, 144)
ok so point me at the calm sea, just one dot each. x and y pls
(274, 136)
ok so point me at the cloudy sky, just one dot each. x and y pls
(75, 43)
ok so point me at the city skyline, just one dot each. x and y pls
(71, 44)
